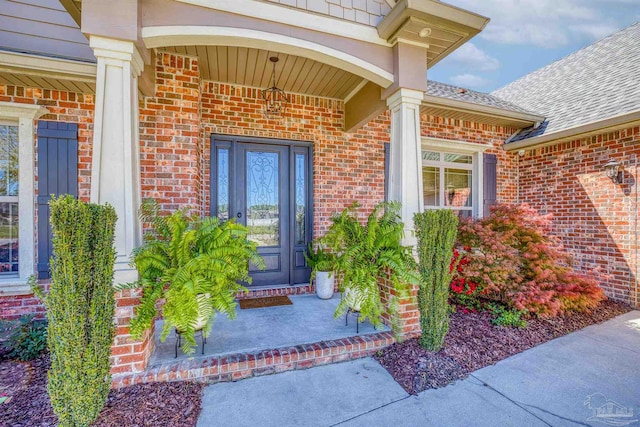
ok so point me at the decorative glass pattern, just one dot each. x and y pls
(458, 187)
(263, 207)
(223, 183)
(301, 202)
(458, 158)
(431, 156)
(431, 185)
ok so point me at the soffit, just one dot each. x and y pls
(251, 67)
(440, 27)
(44, 82)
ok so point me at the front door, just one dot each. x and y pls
(264, 185)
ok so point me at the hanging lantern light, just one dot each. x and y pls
(275, 99)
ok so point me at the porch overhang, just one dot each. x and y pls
(440, 27)
(455, 109)
(48, 73)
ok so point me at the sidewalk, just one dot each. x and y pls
(549, 385)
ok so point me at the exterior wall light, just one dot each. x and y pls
(613, 169)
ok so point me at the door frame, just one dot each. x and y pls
(293, 147)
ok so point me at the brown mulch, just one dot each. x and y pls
(174, 404)
(473, 342)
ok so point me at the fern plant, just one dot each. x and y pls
(367, 254)
(195, 265)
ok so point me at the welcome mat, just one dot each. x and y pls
(264, 302)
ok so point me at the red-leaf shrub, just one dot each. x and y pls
(511, 258)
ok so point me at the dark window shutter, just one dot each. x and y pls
(387, 148)
(57, 174)
(490, 182)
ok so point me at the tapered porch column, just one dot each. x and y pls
(115, 172)
(405, 165)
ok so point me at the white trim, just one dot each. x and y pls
(355, 90)
(294, 17)
(47, 67)
(154, 37)
(24, 115)
(477, 168)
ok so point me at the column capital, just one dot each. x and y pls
(404, 95)
(119, 50)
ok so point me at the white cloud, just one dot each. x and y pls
(470, 57)
(469, 81)
(546, 23)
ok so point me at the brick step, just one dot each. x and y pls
(238, 366)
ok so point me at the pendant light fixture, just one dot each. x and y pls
(275, 99)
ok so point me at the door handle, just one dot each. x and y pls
(239, 214)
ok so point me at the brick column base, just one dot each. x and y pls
(401, 312)
(127, 354)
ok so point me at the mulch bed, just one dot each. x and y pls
(473, 342)
(175, 404)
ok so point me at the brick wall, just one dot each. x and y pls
(595, 218)
(65, 107)
(480, 133)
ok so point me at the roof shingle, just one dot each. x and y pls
(597, 82)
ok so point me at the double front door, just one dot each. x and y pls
(265, 185)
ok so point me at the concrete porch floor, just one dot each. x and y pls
(308, 320)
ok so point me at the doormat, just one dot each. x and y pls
(264, 302)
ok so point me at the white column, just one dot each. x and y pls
(405, 165)
(115, 170)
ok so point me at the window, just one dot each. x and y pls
(9, 213)
(17, 201)
(452, 176)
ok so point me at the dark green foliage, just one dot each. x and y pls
(80, 308)
(319, 259)
(195, 265)
(27, 339)
(436, 232)
(368, 254)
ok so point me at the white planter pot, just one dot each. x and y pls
(325, 281)
(202, 319)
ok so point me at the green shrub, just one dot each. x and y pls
(366, 255)
(27, 339)
(513, 259)
(319, 259)
(436, 233)
(80, 308)
(194, 265)
(507, 317)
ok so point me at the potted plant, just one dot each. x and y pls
(322, 263)
(367, 254)
(194, 266)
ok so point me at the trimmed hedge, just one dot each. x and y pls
(436, 232)
(80, 309)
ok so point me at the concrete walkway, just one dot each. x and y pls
(559, 383)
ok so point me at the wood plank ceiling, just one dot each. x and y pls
(47, 83)
(251, 67)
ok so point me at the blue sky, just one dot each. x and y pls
(525, 35)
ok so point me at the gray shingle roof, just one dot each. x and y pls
(595, 83)
(443, 90)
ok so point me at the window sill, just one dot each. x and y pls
(12, 286)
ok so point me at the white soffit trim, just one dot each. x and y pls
(454, 145)
(154, 37)
(295, 17)
(47, 67)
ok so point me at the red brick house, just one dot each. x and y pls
(122, 100)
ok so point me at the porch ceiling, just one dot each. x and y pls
(251, 67)
(26, 80)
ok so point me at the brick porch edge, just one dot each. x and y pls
(245, 365)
